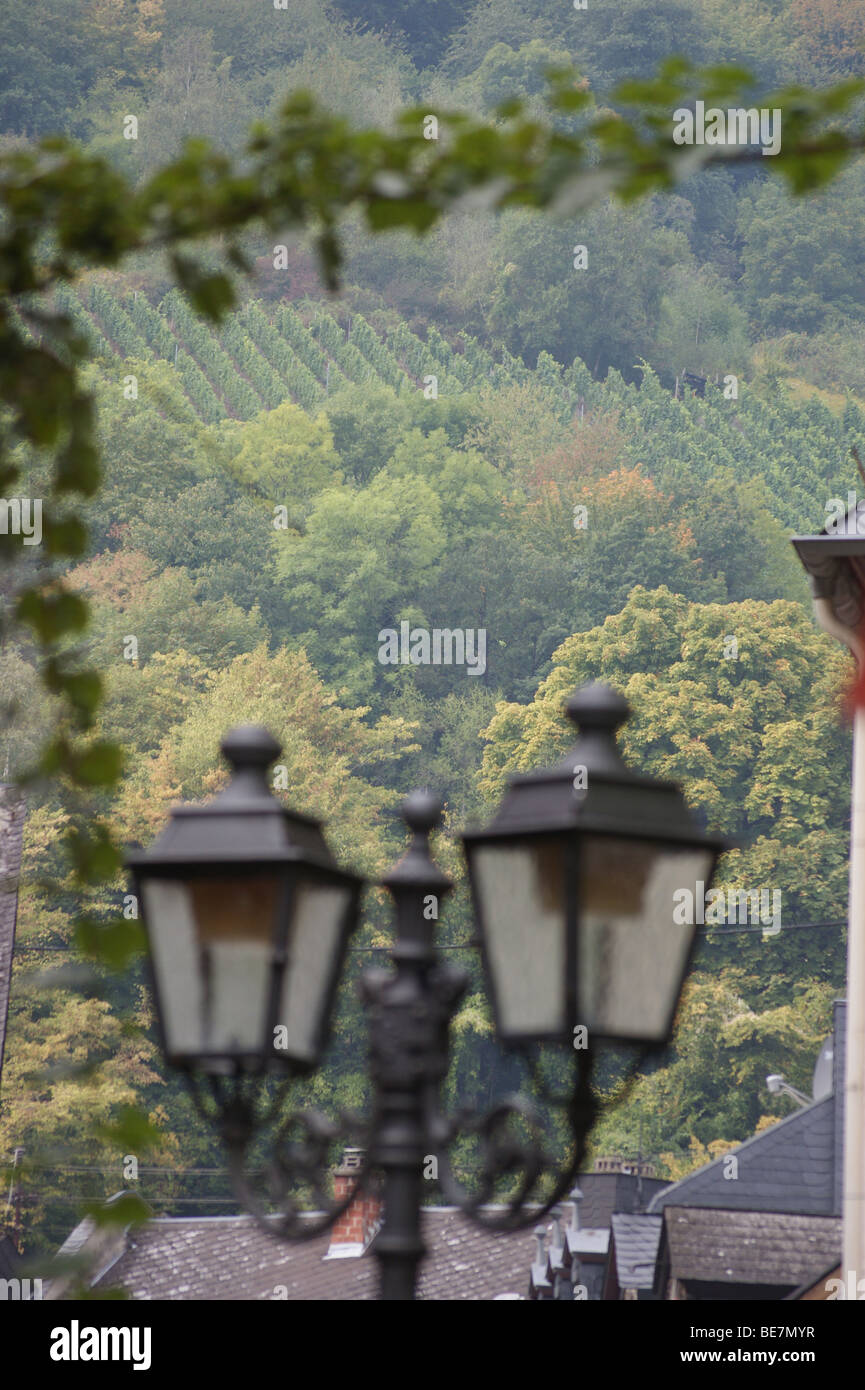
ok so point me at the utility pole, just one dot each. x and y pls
(411, 1010)
(17, 1197)
(12, 811)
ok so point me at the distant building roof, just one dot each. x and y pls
(634, 1249)
(749, 1247)
(795, 1166)
(232, 1258)
(585, 1239)
(604, 1193)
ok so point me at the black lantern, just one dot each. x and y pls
(585, 887)
(248, 919)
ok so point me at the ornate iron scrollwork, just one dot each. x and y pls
(297, 1169)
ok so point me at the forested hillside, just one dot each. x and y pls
(484, 431)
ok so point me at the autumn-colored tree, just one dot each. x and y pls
(832, 34)
(115, 579)
(139, 611)
(611, 533)
(596, 446)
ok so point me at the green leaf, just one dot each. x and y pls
(131, 1132)
(83, 689)
(100, 765)
(52, 615)
(212, 294)
(78, 468)
(126, 1210)
(94, 855)
(113, 944)
(66, 536)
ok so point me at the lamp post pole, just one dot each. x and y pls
(410, 1010)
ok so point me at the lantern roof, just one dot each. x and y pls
(592, 790)
(244, 824)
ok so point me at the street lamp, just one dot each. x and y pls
(574, 882)
(248, 920)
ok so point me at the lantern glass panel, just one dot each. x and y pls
(632, 942)
(315, 941)
(521, 889)
(212, 945)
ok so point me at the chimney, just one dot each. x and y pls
(614, 1163)
(576, 1196)
(539, 1284)
(608, 1164)
(353, 1232)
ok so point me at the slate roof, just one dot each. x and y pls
(793, 1167)
(231, 1258)
(604, 1193)
(634, 1249)
(749, 1247)
(790, 1167)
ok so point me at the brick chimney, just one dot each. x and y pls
(353, 1232)
(614, 1163)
